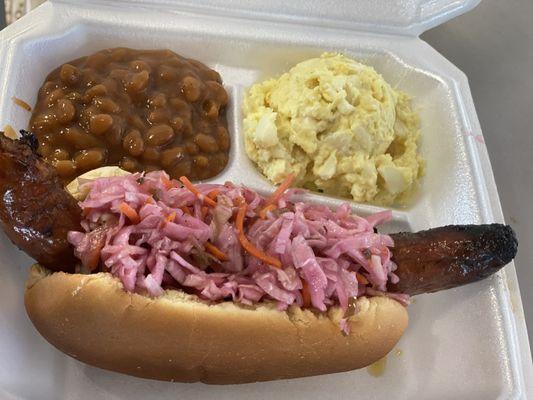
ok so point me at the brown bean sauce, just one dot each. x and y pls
(138, 109)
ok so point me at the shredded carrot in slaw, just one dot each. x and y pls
(263, 213)
(306, 294)
(361, 278)
(186, 210)
(249, 247)
(239, 201)
(187, 183)
(166, 182)
(215, 251)
(171, 217)
(274, 197)
(129, 212)
(213, 194)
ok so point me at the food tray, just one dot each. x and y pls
(469, 342)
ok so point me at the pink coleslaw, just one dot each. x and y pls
(154, 234)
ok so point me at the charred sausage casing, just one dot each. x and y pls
(450, 256)
(36, 212)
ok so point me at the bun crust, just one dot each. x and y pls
(177, 337)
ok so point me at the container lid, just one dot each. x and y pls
(404, 17)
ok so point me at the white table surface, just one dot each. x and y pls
(493, 46)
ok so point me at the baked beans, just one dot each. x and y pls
(140, 110)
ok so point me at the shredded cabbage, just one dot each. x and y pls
(337, 253)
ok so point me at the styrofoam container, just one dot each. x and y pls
(469, 342)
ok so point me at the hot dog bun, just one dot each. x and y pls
(177, 337)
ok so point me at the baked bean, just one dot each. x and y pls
(140, 65)
(65, 168)
(175, 62)
(145, 110)
(89, 159)
(172, 156)
(136, 122)
(159, 100)
(97, 61)
(201, 161)
(137, 82)
(159, 135)
(48, 87)
(129, 164)
(219, 160)
(73, 96)
(223, 138)
(196, 63)
(65, 111)
(192, 148)
(44, 121)
(100, 123)
(177, 124)
(151, 155)
(206, 143)
(119, 73)
(202, 125)
(69, 75)
(187, 129)
(119, 54)
(210, 109)
(96, 90)
(110, 84)
(88, 77)
(133, 143)
(158, 116)
(167, 74)
(106, 105)
(87, 113)
(115, 135)
(213, 75)
(191, 88)
(54, 96)
(219, 92)
(44, 149)
(183, 108)
(79, 139)
(179, 104)
(182, 168)
(60, 154)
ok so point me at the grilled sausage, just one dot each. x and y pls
(36, 212)
(450, 256)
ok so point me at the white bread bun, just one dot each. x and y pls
(103, 172)
(177, 337)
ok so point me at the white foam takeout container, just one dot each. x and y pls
(469, 342)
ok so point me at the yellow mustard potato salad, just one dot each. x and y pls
(339, 126)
